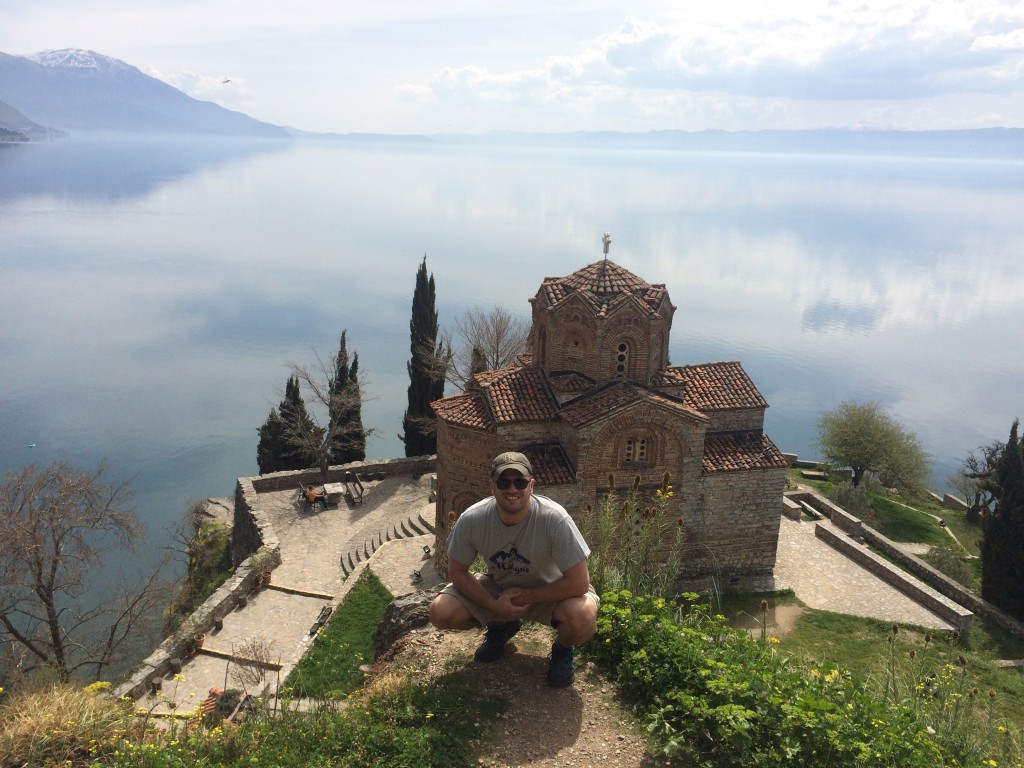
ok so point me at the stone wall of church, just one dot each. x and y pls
(673, 447)
(735, 420)
(463, 461)
(733, 532)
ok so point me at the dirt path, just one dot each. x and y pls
(580, 726)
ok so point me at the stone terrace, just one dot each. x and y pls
(322, 552)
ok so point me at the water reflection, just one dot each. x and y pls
(152, 296)
(110, 168)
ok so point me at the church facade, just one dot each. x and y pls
(597, 397)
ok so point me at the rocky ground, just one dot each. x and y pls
(581, 726)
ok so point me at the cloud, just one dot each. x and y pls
(911, 55)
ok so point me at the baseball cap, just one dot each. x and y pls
(510, 460)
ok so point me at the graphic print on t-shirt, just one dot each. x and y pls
(510, 562)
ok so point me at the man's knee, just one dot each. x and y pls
(448, 612)
(577, 617)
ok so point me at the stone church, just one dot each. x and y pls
(596, 396)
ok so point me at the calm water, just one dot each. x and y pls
(152, 294)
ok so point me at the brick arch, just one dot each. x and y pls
(604, 450)
(635, 353)
(572, 346)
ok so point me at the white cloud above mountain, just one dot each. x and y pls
(398, 66)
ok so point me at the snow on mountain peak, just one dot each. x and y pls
(76, 58)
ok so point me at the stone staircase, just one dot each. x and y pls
(407, 528)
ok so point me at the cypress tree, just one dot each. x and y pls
(348, 438)
(1002, 543)
(278, 450)
(272, 443)
(426, 379)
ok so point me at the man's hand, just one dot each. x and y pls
(509, 604)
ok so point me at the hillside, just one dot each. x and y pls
(74, 90)
(14, 126)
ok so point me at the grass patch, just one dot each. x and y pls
(860, 645)
(61, 725)
(897, 522)
(968, 534)
(331, 669)
(394, 722)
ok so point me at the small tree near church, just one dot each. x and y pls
(864, 438)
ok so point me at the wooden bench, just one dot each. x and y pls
(353, 488)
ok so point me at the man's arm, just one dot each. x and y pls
(470, 588)
(574, 583)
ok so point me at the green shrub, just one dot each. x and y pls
(714, 696)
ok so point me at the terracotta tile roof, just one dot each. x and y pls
(515, 394)
(550, 465)
(466, 408)
(570, 382)
(732, 452)
(604, 285)
(611, 397)
(718, 387)
(670, 377)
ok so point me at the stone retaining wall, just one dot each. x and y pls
(227, 598)
(944, 585)
(960, 618)
(930, 576)
(841, 519)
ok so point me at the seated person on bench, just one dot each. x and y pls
(313, 496)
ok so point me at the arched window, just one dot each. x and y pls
(622, 360)
(636, 450)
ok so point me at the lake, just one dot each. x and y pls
(154, 292)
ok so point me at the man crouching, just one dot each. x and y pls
(536, 570)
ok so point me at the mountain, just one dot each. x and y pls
(76, 90)
(14, 126)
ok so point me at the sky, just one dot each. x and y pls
(471, 66)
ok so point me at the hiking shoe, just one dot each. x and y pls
(561, 668)
(493, 647)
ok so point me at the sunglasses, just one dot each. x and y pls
(520, 483)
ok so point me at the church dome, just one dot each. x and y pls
(603, 285)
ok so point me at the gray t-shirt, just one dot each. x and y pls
(537, 551)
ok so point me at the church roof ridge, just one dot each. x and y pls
(602, 285)
(608, 398)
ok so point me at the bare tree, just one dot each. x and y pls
(484, 340)
(338, 428)
(56, 525)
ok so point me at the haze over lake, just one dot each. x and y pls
(153, 293)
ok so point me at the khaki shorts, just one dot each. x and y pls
(538, 612)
